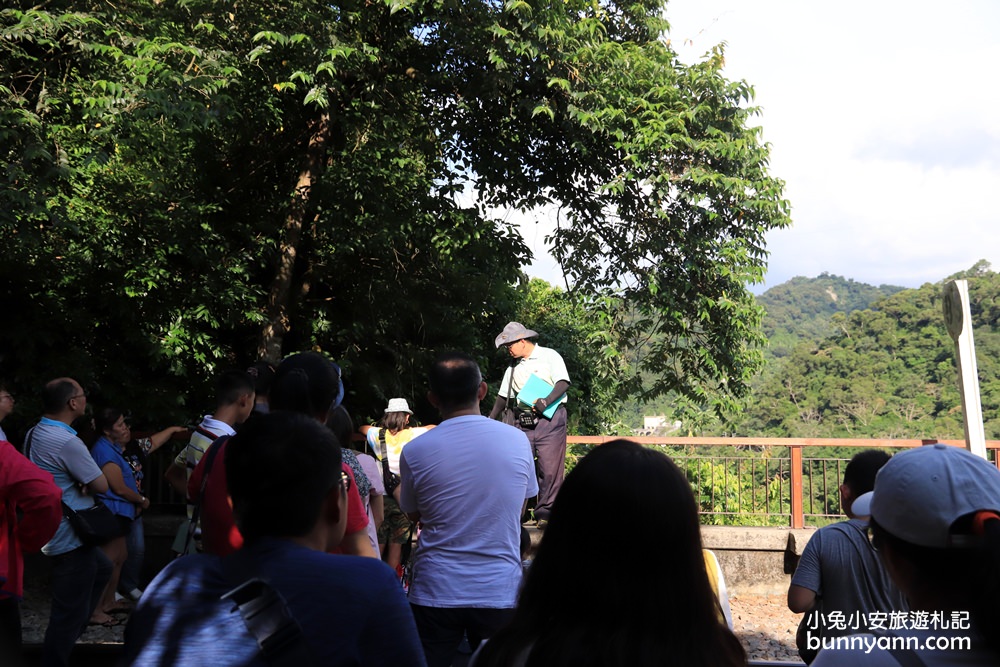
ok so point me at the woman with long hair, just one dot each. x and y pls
(586, 601)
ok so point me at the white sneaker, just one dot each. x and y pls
(135, 594)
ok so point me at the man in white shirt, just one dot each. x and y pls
(547, 434)
(466, 482)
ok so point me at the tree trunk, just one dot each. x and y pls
(278, 301)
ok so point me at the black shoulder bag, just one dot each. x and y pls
(95, 525)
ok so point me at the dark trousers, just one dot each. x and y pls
(441, 629)
(78, 580)
(10, 631)
(548, 444)
(132, 569)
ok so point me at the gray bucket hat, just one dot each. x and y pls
(514, 331)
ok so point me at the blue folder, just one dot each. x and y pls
(536, 388)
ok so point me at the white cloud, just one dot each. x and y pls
(882, 121)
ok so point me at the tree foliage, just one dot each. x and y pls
(191, 185)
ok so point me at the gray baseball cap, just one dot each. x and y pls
(920, 493)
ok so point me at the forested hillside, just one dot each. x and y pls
(846, 359)
(803, 307)
(886, 371)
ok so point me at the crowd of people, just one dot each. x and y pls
(294, 544)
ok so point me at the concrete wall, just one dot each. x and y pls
(756, 561)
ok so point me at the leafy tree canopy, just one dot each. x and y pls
(192, 185)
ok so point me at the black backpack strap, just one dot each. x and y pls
(265, 614)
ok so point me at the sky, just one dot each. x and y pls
(884, 123)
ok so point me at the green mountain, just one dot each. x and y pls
(802, 308)
(885, 371)
(846, 359)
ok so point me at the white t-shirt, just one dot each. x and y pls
(394, 442)
(468, 478)
(544, 362)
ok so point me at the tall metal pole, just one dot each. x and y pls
(958, 319)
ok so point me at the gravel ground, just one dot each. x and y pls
(765, 626)
(763, 623)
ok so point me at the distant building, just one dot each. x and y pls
(656, 425)
(653, 423)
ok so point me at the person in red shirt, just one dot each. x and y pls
(307, 383)
(26, 490)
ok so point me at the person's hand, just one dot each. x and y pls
(540, 406)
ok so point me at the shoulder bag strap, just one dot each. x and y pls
(384, 452)
(510, 385)
(265, 613)
(27, 441)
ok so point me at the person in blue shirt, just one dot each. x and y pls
(122, 498)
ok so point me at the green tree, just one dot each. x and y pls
(194, 184)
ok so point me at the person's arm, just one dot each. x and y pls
(116, 482)
(806, 582)
(355, 540)
(97, 485)
(176, 476)
(364, 428)
(557, 391)
(159, 438)
(800, 599)
(357, 544)
(498, 406)
(377, 502)
(407, 497)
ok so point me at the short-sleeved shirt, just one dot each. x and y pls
(840, 565)
(468, 478)
(104, 452)
(352, 611)
(394, 443)
(544, 362)
(209, 430)
(55, 449)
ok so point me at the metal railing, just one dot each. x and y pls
(766, 481)
(750, 481)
